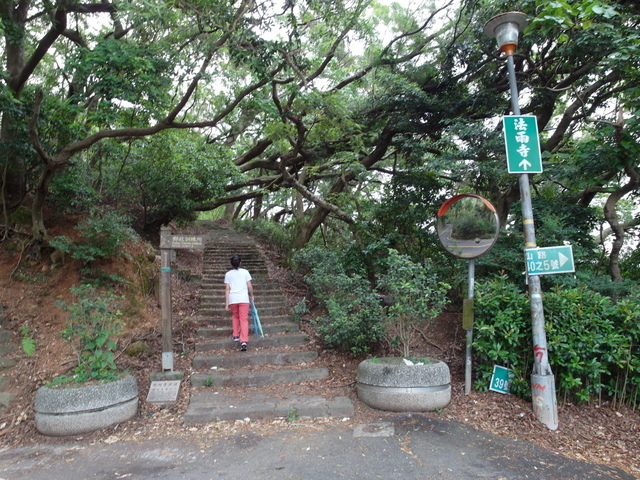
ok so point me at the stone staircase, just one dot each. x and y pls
(263, 382)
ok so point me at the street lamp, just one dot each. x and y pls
(505, 28)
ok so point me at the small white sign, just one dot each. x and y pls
(163, 391)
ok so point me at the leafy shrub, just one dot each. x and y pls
(102, 235)
(273, 233)
(592, 340)
(502, 332)
(354, 314)
(417, 296)
(71, 191)
(93, 320)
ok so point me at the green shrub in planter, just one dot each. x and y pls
(94, 320)
(417, 298)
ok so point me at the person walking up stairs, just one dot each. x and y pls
(259, 383)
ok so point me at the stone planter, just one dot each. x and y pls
(390, 384)
(70, 411)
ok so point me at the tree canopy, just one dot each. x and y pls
(346, 114)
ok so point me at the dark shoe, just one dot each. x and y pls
(243, 347)
(236, 339)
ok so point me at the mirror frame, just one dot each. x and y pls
(444, 209)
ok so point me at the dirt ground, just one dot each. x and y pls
(30, 287)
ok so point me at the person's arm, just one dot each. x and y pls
(226, 296)
(250, 290)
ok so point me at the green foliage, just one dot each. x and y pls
(417, 298)
(99, 278)
(354, 314)
(593, 341)
(168, 175)
(502, 333)
(27, 341)
(356, 319)
(102, 235)
(94, 320)
(301, 309)
(405, 213)
(29, 277)
(587, 342)
(71, 192)
(293, 415)
(275, 234)
(117, 72)
(630, 266)
(556, 222)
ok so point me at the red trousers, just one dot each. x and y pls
(240, 320)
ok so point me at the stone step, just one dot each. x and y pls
(217, 279)
(262, 297)
(253, 260)
(220, 270)
(237, 248)
(6, 349)
(244, 359)
(216, 322)
(260, 290)
(217, 285)
(256, 379)
(6, 398)
(266, 302)
(275, 341)
(206, 406)
(225, 320)
(268, 329)
(6, 363)
(219, 311)
(6, 335)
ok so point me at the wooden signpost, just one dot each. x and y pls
(168, 243)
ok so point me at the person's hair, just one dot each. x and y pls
(235, 261)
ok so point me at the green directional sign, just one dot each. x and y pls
(549, 260)
(522, 144)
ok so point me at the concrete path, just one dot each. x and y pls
(408, 447)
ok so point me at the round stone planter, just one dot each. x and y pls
(70, 411)
(390, 384)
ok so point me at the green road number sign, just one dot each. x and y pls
(500, 379)
(549, 260)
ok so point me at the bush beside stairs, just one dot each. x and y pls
(260, 383)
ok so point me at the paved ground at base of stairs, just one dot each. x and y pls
(404, 447)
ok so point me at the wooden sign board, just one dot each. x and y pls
(193, 242)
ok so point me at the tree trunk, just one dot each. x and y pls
(37, 207)
(14, 183)
(306, 231)
(612, 218)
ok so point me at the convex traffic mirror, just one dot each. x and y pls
(468, 226)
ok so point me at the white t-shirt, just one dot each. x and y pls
(237, 280)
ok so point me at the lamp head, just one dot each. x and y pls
(505, 28)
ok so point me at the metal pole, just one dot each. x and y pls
(468, 315)
(165, 298)
(543, 389)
